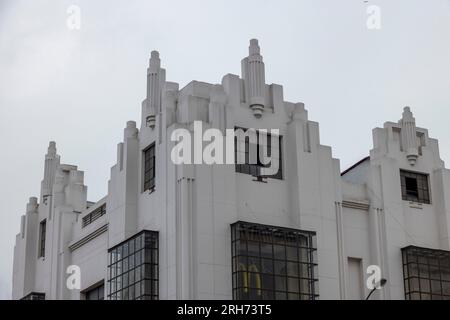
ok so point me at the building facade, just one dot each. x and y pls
(232, 231)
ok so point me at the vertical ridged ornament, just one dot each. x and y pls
(155, 78)
(253, 74)
(50, 167)
(409, 136)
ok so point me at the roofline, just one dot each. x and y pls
(355, 165)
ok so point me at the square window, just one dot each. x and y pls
(271, 270)
(424, 274)
(256, 151)
(415, 187)
(127, 275)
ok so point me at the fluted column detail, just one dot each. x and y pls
(50, 167)
(253, 73)
(409, 136)
(155, 80)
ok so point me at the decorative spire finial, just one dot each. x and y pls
(253, 74)
(32, 205)
(155, 61)
(409, 136)
(50, 165)
(155, 79)
(407, 114)
(254, 47)
(51, 151)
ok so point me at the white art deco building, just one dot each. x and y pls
(225, 231)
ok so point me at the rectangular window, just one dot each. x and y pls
(415, 187)
(94, 215)
(426, 273)
(149, 168)
(273, 263)
(133, 271)
(355, 279)
(249, 148)
(34, 296)
(96, 293)
(42, 231)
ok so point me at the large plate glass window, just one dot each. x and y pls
(426, 273)
(273, 263)
(133, 268)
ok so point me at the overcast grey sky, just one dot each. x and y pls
(80, 87)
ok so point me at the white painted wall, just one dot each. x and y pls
(358, 216)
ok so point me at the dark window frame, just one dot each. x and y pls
(149, 168)
(133, 268)
(42, 236)
(94, 215)
(426, 273)
(255, 169)
(96, 291)
(34, 296)
(415, 186)
(273, 263)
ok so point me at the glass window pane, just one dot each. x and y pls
(125, 249)
(267, 266)
(424, 273)
(415, 186)
(280, 267)
(127, 274)
(291, 253)
(279, 252)
(266, 270)
(292, 269)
